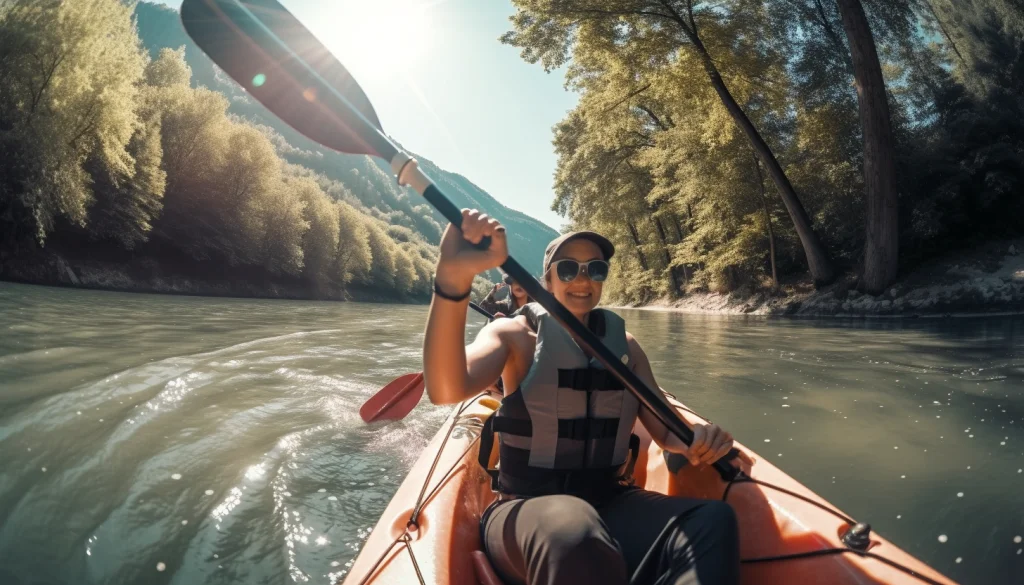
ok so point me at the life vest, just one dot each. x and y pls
(567, 429)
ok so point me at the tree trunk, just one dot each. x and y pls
(679, 228)
(881, 249)
(679, 239)
(818, 261)
(668, 257)
(768, 220)
(636, 244)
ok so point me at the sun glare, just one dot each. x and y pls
(376, 39)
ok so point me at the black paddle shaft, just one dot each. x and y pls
(269, 52)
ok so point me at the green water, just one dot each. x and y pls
(218, 439)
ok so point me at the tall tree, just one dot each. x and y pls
(69, 78)
(881, 246)
(320, 242)
(551, 31)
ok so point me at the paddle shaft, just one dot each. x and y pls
(481, 310)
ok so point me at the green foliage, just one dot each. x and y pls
(94, 132)
(651, 156)
(320, 242)
(126, 207)
(69, 80)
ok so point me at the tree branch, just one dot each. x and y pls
(620, 102)
(654, 117)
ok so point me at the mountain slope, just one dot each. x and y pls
(367, 181)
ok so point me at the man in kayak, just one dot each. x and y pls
(517, 297)
(565, 512)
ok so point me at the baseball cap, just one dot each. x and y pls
(607, 248)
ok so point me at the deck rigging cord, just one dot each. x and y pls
(424, 497)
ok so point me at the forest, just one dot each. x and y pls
(119, 139)
(735, 145)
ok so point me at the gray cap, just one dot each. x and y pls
(607, 248)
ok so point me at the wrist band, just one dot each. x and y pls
(444, 295)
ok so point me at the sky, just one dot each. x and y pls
(445, 88)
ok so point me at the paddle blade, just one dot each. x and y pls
(395, 400)
(280, 63)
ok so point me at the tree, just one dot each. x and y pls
(383, 251)
(657, 35)
(881, 249)
(169, 69)
(354, 257)
(126, 207)
(320, 242)
(69, 77)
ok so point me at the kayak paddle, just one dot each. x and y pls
(396, 400)
(280, 63)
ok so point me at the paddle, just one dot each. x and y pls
(396, 400)
(280, 63)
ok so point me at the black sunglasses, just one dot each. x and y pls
(568, 269)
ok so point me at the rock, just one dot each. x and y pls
(894, 292)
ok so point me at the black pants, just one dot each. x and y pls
(637, 537)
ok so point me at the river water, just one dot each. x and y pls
(189, 440)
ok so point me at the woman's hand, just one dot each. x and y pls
(460, 261)
(710, 443)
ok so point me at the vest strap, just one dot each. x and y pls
(579, 429)
(486, 446)
(512, 425)
(582, 429)
(589, 379)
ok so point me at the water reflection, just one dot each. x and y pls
(219, 438)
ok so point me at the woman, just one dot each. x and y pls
(517, 297)
(564, 513)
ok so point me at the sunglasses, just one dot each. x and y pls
(568, 269)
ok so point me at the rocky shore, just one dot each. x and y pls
(986, 280)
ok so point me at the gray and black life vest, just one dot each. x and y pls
(568, 427)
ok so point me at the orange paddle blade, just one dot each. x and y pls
(395, 400)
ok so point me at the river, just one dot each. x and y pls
(189, 440)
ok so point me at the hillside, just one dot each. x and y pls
(368, 180)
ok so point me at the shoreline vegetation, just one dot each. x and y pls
(987, 280)
(129, 161)
(773, 157)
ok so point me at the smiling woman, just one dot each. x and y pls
(376, 37)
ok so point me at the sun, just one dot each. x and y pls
(376, 39)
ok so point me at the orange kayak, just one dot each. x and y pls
(430, 531)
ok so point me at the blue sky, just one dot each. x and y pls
(446, 88)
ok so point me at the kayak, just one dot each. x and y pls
(430, 532)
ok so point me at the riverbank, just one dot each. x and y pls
(167, 273)
(985, 280)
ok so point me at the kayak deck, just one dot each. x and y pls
(430, 530)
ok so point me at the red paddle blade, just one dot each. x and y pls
(395, 400)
